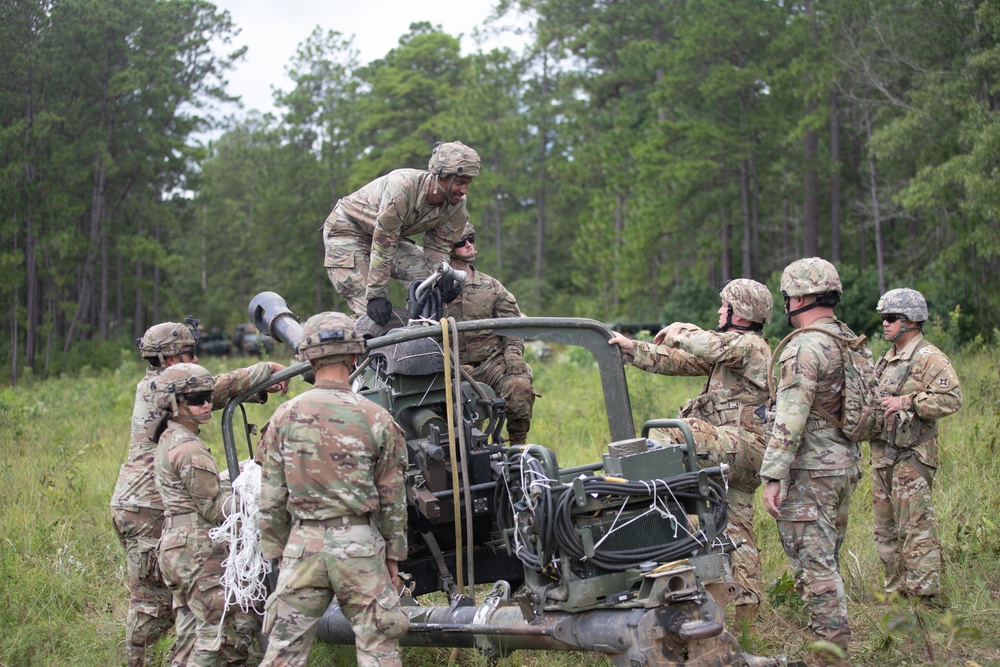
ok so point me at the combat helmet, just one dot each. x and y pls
(179, 381)
(327, 335)
(748, 299)
(168, 339)
(904, 301)
(812, 275)
(453, 158)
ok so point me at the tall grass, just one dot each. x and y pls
(63, 593)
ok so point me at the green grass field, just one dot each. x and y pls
(63, 596)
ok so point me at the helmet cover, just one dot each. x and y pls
(812, 275)
(329, 334)
(749, 299)
(454, 158)
(165, 340)
(904, 301)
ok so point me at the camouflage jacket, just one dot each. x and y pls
(734, 361)
(923, 375)
(187, 477)
(329, 453)
(812, 370)
(135, 487)
(483, 297)
(389, 208)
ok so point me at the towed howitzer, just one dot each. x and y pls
(626, 563)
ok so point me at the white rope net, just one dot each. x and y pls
(245, 568)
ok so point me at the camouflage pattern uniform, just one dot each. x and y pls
(365, 234)
(188, 482)
(137, 512)
(723, 422)
(333, 508)
(497, 361)
(905, 459)
(817, 465)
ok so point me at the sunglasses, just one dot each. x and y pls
(471, 238)
(892, 318)
(196, 400)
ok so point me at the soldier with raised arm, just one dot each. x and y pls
(136, 505)
(919, 386)
(366, 234)
(333, 507)
(722, 418)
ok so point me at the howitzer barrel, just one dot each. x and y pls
(271, 315)
(690, 633)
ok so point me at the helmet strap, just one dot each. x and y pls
(754, 326)
(447, 189)
(902, 330)
(790, 313)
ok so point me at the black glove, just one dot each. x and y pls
(449, 288)
(380, 310)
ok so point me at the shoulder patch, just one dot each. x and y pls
(925, 351)
(943, 382)
(790, 352)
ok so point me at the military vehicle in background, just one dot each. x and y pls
(247, 340)
(215, 343)
(625, 557)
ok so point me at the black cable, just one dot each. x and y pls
(552, 530)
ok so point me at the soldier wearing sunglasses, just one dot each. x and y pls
(188, 483)
(497, 361)
(136, 505)
(918, 386)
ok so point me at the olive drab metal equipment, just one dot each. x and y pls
(618, 557)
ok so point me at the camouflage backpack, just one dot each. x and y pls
(861, 409)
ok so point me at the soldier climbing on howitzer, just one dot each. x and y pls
(825, 405)
(365, 235)
(724, 417)
(333, 506)
(136, 505)
(495, 360)
(918, 387)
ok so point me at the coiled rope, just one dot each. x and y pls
(244, 567)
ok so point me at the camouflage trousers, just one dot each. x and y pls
(318, 564)
(149, 613)
(906, 535)
(812, 527)
(515, 389)
(348, 259)
(743, 454)
(192, 567)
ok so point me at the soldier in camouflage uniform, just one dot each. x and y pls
(722, 417)
(136, 506)
(810, 467)
(333, 507)
(918, 386)
(365, 234)
(188, 482)
(497, 361)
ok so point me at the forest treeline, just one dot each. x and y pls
(635, 154)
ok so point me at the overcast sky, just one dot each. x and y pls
(272, 29)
